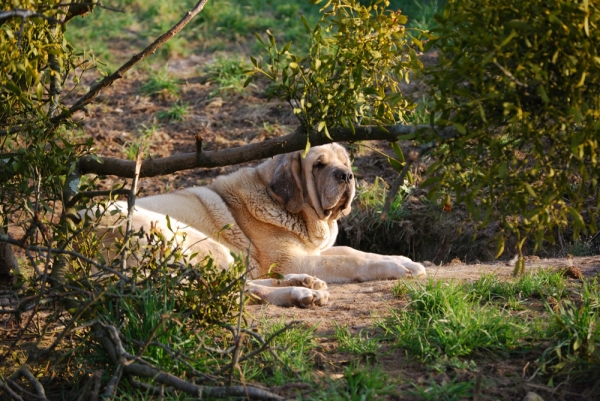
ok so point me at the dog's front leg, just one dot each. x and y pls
(416, 269)
(348, 268)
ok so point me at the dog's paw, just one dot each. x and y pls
(303, 280)
(413, 269)
(305, 298)
(416, 269)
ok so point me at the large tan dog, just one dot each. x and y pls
(284, 212)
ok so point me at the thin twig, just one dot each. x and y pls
(9, 391)
(111, 387)
(115, 349)
(130, 207)
(36, 248)
(92, 194)
(509, 75)
(43, 353)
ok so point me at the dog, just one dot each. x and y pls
(284, 214)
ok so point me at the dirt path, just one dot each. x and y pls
(358, 305)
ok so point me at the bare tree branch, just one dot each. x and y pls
(255, 151)
(9, 391)
(112, 343)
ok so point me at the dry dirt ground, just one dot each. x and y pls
(358, 305)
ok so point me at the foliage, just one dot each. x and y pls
(520, 84)
(36, 62)
(358, 57)
(228, 74)
(575, 333)
(175, 113)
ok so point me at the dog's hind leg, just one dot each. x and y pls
(293, 280)
(301, 297)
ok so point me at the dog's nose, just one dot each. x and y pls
(345, 176)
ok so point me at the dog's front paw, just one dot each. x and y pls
(305, 298)
(303, 280)
(414, 269)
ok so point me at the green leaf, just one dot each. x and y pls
(459, 127)
(407, 137)
(327, 133)
(306, 148)
(500, 247)
(305, 22)
(542, 92)
(577, 218)
(398, 151)
(529, 189)
(169, 223)
(395, 164)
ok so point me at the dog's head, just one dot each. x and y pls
(323, 180)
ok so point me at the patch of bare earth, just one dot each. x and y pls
(358, 305)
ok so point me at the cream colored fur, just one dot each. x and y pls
(284, 212)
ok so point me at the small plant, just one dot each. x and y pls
(359, 344)
(228, 74)
(141, 143)
(160, 83)
(360, 383)
(581, 248)
(575, 330)
(176, 113)
(452, 390)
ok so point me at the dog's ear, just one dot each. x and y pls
(286, 185)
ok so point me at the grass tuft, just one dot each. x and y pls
(575, 334)
(359, 344)
(176, 113)
(160, 83)
(443, 320)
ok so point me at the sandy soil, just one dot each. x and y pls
(358, 305)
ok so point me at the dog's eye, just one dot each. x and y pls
(319, 165)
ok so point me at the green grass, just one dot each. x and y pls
(228, 74)
(160, 82)
(442, 319)
(176, 113)
(360, 344)
(114, 37)
(141, 143)
(444, 322)
(294, 359)
(360, 383)
(575, 335)
(540, 284)
(453, 390)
